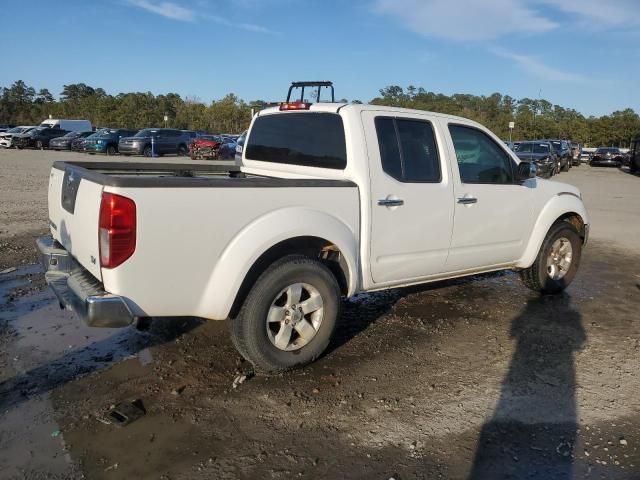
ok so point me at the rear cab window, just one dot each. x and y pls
(309, 139)
(408, 150)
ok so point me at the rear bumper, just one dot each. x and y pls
(135, 149)
(79, 291)
(606, 161)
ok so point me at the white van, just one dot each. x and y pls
(69, 125)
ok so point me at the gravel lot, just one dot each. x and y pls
(473, 378)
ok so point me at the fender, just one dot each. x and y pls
(555, 208)
(263, 233)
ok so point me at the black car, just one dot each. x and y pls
(106, 140)
(563, 152)
(634, 156)
(152, 142)
(64, 142)
(38, 137)
(540, 153)
(607, 156)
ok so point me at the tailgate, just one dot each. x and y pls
(74, 209)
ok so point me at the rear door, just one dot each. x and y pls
(411, 197)
(493, 212)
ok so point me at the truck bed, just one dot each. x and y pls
(198, 228)
(182, 175)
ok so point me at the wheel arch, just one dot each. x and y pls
(269, 238)
(561, 208)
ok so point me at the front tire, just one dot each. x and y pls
(147, 151)
(289, 316)
(557, 262)
(112, 150)
(183, 151)
(39, 145)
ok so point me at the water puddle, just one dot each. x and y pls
(43, 347)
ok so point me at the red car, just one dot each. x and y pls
(205, 147)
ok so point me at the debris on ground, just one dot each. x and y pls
(124, 413)
(240, 379)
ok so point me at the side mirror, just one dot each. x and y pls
(527, 170)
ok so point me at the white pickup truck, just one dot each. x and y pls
(330, 200)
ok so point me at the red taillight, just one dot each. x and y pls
(117, 230)
(295, 106)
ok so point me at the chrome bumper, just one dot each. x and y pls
(79, 291)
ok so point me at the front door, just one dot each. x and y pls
(411, 197)
(493, 212)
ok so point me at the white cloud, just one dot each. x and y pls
(166, 9)
(250, 27)
(600, 12)
(466, 20)
(538, 68)
(174, 11)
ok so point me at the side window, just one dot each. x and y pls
(524, 148)
(408, 150)
(480, 159)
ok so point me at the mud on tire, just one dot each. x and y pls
(284, 300)
(543, 275)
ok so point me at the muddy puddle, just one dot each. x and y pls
(472, 378)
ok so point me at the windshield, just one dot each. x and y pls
(147, 132)
(607, 150)
(17, 130)
(71, 135)
(540, 148)
(106, 132)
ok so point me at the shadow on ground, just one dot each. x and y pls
(533, 429)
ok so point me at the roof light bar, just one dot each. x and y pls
(284, 106)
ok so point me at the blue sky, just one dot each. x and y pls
(576, 53)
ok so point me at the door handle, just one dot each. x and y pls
(467, 200)
(390, 202)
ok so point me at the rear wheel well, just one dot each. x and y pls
(575, 220)
(312, 247)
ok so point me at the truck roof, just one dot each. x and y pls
(363, 107)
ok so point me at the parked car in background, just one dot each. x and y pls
(576, 148)
(634, 156)
(607, 156)
(540, 153)
(205, 147)
(240, 147)
(6, 137)
(228, 148)
(585, 154)
(563, 152)
(511, 145)
(37, 138)
(5, 128)
(64, 142)
(106, 140)
(77, 144)
(156, 141)
(68, 125)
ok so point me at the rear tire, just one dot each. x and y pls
(183, 151)
(39, 145)
(289, 316)
(557, 262)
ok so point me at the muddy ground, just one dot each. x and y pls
(473, 378)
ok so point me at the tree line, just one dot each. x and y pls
(533, 118)
(21, 104)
